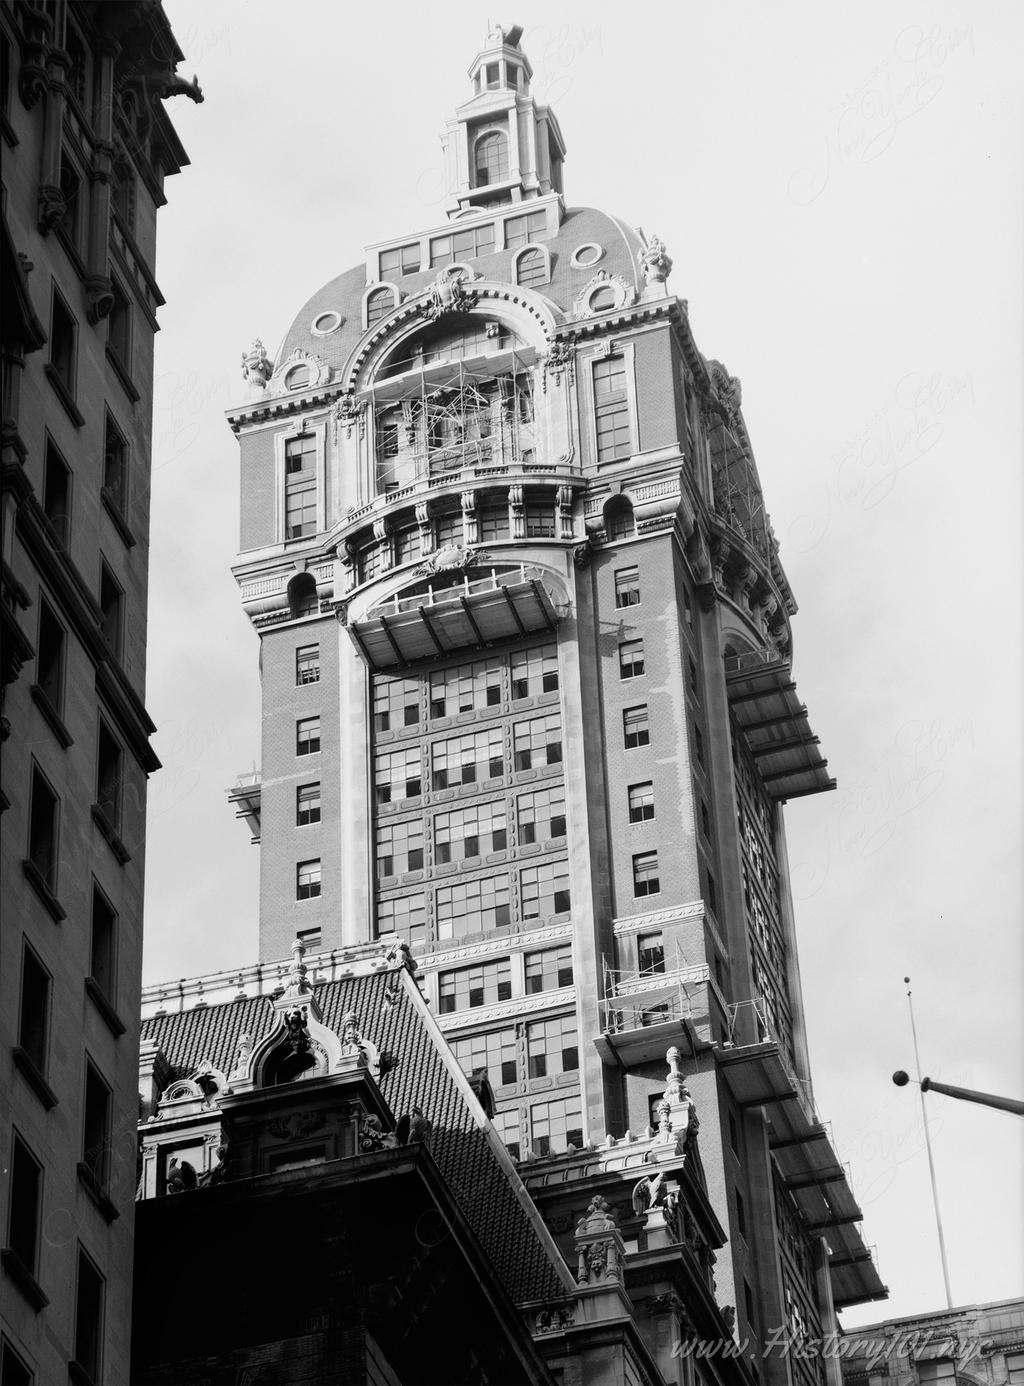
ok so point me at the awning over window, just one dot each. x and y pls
(763, 699)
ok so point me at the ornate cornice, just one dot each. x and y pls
(520, 1005)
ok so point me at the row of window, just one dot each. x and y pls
(474, 906)
(44, 811)
(63, 358)
(24, 1220)
(544, 1128)
(551, 1047)
(469, 242)
(58, 482)
(470, 759)
(395, 777)
(471, 687)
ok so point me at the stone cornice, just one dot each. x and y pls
(555, 933)
(508, 1010)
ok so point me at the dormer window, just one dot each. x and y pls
(491, 159)
(462, 245)
(402, 259)
(379, 304)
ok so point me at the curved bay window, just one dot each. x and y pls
(490, 160)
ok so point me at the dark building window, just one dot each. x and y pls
(693, 675)
(302, 597)
(636, 727)
(645, 874)
(520, 231)
(13, 1371)
(70, 191)
(473, 906)
(88, 1317)
(307, 804)
(705, 820)
(545, 890)
(404, 916)
(34, 1019)
(42, 829)
(538, 742)
(698, 745)
(307, 880)
(540, 520)
(108, 776)
(627, 587)
(400, 847)
(103, 944)
(531, 268)
(541, 815)
(111, 609)
(380, 303)
(474, 986)
(631, 659)
(611, 407)
(57, 494)
(124, 193)
(310, 938)
(535, 671)
(62, 344)
(491, 159)
(307, 736)
(552, 1047)
(119, 327)
(402, 259)
(641, 802)
(307, 664)
(555, 1126)
(650, 953)
(115, 465)
(50, 657)
(462, 245)
(300, 487)
(26, 1188)
(549, 970)
(741, 1214)
(96, 1126)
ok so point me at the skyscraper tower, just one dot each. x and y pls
(527, 691)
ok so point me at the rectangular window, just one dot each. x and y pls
(472, 907)
(307, 880)
(650, 953)
(13, 1371)
(470, 987)
(108, 777)
(520, 231)
(493, 521)
(57, 494)
(119, 327)
(466, 688)
(448, 528)
(300, 487)
(466, 244)
(934, 1373)
(50, 657)
(641, 802)
(310, 938)
(42, 829)
(540, 519)
(62, 344)
(541, 815)
(494, 1052)
(627, 587)
(400, 847)
(611, 409)
(549, 970)
(26, 1186)
(538, 742)
(70, 223)
(712, 893)
(636, 727)
(396, 703)
(307, 805)
(34, 1017)
(470, 832)
(705, 820)
(552, 1047)
(115, 465)
(698, 746)
(741, 1214)
(692, 674)
(103, 944)
(555, 1126)
(398, 776)
(535, 671)
(1015, 1368)
(645, 874)
(402, 259)
(111, 610)
(96, 1126)
(307, 664)
(631, 659)
(307, 736)
(89, 1318)
(545, 890)
(507, 1126)
(468, 759)
(405, 917)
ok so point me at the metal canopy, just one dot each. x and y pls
(763, 699)
(438, 618)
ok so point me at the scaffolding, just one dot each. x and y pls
(436, 422)
(739, 499)
(655, 995)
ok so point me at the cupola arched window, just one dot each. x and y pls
(379, 304)
(302, 599)
(618, 518)
(602, 299)
(532, 267)
(491, 159)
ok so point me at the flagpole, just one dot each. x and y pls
(928, 1147)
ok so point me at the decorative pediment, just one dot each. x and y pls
(601, 294)
(300, 370)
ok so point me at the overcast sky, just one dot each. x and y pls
(840, 190)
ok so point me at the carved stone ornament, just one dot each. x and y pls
(348, 412)
(728, 389)
(655, 262)
(450, 558)
(446, 295)
(257, 367)
(319, 370)
(296, 1030)
(295, 1126)
(100, 294)
(624, 294)
(561, 358)
(51, 207)
(554, 1319)
(582, 554)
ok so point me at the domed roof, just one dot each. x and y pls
(589, 242)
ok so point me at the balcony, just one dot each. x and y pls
(245, 796)
(762, 696)
(442, 616)
(645, 1012)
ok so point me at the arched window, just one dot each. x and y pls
(297, 379)
(618, 518)
(602, 299)
(491, 161)
(379, 304)
(302, 594)
(531, 267)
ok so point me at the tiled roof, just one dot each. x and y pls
(580, 226)
(418, 1076)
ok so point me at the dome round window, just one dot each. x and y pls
(602, 299)
(326, 323)
(586, 255)
(297, 379)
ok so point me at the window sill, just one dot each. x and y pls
(109, 832)
(78, 1374)
(122, 374)
(91, 1185)
(64, 395)
(51, 716)
(113, 1021)
(26, 1066)
(112, 508)
(38, 883)
(24, 1279)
